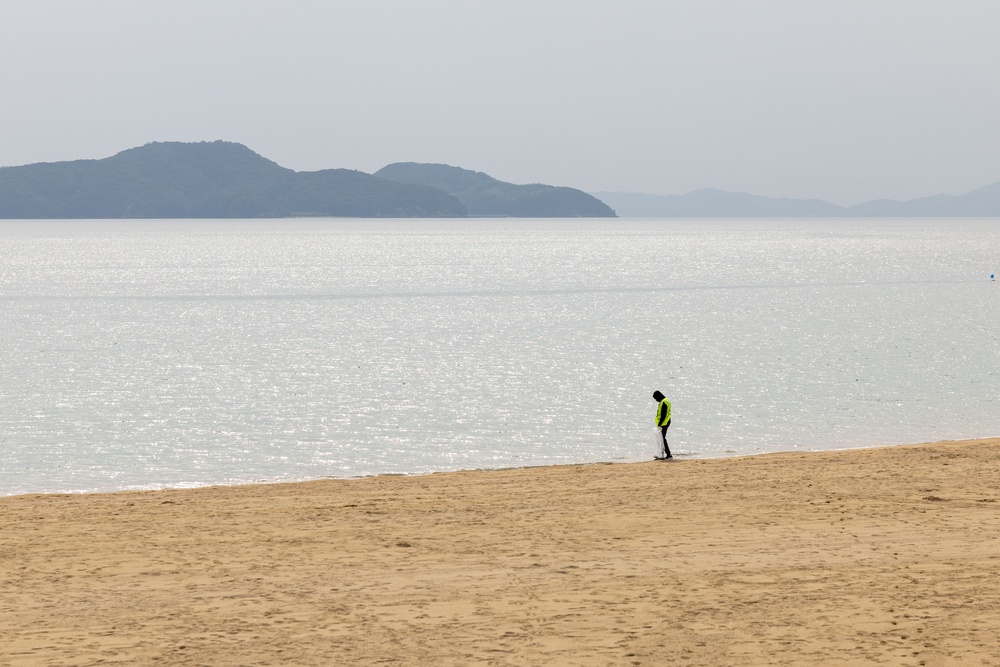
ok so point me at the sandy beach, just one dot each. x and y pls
(876, 556)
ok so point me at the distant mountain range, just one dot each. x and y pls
(228, 180)
(712, 203)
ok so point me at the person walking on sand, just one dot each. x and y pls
(663, 414)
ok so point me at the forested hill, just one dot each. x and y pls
(484, 195)
(207, 180)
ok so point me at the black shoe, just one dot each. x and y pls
(668, 458)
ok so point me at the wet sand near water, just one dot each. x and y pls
(878, 556)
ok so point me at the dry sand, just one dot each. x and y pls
(879, 556)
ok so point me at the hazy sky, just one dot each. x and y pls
(845, 100)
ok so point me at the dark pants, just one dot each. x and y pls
(666, 447)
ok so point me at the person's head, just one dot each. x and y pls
(657, 396)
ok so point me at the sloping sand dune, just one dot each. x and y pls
(881, 556)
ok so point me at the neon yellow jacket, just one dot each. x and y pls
(663, 412)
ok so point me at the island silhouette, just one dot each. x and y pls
(222, 179)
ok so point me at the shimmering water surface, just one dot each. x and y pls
(150, 354)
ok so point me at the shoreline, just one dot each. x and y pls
(828, 557)
(679, 457)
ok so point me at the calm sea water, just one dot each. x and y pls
(150, 354)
